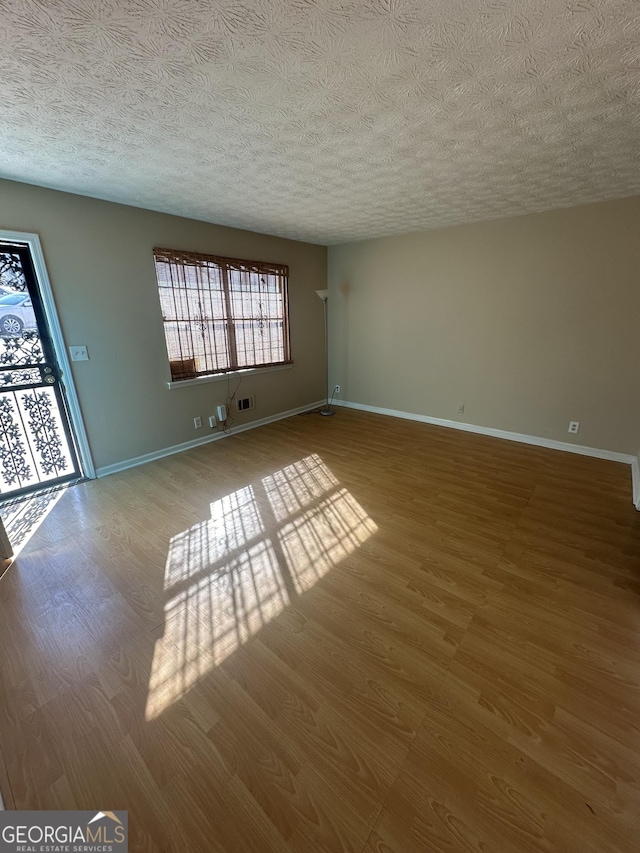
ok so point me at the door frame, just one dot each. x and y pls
(59, 346)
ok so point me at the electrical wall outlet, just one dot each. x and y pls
(460, 409)
(212, 421)
(336, 390)
(574, 426)
(222, 413)
(197, 422)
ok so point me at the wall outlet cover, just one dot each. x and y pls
(245, 404)
(79, 353)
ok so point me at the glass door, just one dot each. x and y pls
(37, 445)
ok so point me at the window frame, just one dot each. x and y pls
(183, 370)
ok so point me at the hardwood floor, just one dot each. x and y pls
(352, 633)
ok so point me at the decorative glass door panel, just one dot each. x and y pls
(36, 441)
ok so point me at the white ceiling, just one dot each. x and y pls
(324, 120)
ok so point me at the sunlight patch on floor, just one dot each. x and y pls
(226, 577)
(23, 517)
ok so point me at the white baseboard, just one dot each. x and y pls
(188, 445)
(635, 474)
(522, 438)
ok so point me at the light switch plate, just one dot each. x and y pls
(79, 353)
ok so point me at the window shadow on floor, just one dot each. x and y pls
(226, 577)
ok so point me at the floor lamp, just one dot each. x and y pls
(324, 295)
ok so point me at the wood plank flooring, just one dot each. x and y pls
(347, 634)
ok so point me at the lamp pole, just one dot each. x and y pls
(324, 295)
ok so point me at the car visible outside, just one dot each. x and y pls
(16, 313)
(7, 291)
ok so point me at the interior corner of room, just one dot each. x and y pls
(515, 327)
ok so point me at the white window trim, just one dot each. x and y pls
(75, 414)
(219, 377)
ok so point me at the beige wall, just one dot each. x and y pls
(531, 322)
(99, 259)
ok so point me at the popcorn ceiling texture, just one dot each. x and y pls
(324, 120)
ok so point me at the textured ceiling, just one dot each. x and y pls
(324, 120)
